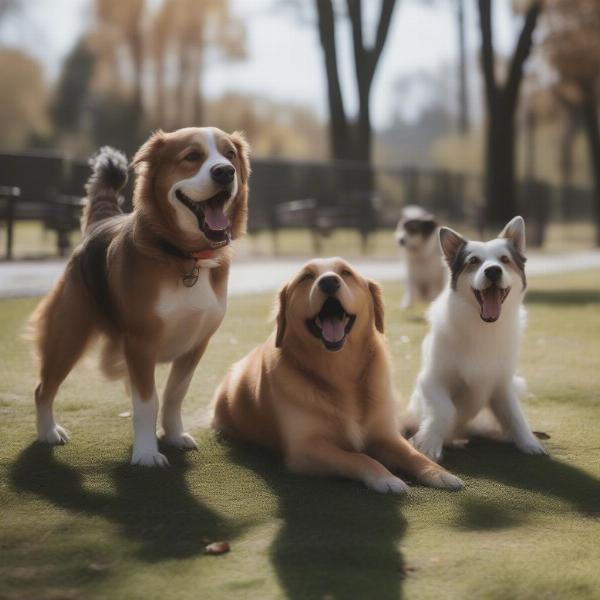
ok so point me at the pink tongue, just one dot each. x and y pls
(215, 218)
(332, 329)
(492, 303)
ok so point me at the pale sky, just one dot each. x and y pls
(284, 56)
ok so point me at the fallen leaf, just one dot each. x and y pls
(217, 548)
(99, 566)
(541, 435)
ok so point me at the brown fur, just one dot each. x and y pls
(114, 279)
(325, 412)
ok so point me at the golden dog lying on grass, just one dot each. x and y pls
(319, 390)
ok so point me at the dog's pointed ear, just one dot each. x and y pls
(150, 150)
(515, 232)
(378, 309)
(450, 243)
(281, 318)
(243, 152)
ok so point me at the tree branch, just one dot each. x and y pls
(487, 51)
(339, 123)
(385, 19)
(360, 54)
(522, 51)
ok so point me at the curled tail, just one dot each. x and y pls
(109, 175)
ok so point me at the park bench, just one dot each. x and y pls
(46, 189)
(356, 210)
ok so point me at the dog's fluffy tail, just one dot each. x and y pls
(109, 175)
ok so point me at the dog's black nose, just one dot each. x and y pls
(222, 174)
(330, 284)
(493, 273)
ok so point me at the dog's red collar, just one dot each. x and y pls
(203, 254)
(178, 253)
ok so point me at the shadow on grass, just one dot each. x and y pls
(337, 538)
(564, 297)
(153, 507)
(503, 463)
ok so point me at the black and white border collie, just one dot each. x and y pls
(417, 233)
(470, 354)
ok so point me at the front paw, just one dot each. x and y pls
(55, 436)
(149, 458)
(428, 445)
(182, 441)
(387, 484)
(440, 478)
(531, 446)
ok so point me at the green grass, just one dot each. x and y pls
(78, 522)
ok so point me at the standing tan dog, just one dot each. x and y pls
(152, 284)
(319, 390)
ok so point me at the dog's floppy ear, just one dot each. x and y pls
(515, 232)
(378, 309)
(243, 151)
(281, 319)
(150, 149)
(450, 243)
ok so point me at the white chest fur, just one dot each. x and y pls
(189, 316)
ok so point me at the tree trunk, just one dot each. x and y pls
(592, 129)
(339, 139)
(501, 102)
(501, 205)
(463, 95)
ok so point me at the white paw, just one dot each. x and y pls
(183, 441)
(440, 478)
(531, 446)
(428, 445)
(56, 436)
(149, 458)
(387, 484)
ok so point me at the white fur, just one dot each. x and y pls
(425, 271)
(145, 444)
(469, 364)
(189, 315)
(201, 186)
(47, 429)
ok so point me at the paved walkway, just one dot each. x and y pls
(248, 276)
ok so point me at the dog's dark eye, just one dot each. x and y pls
(230, 154)
(474, 260)
(346, 273)
(307, 277)
(192, 156)
(504, 259)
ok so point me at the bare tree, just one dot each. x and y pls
(352, 139)
(501, 106)
(182, 31)
(572, 46)
(463, 90)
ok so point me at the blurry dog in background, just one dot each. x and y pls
(470, 354)
(153, 283)
(319, 390)
(425, 272)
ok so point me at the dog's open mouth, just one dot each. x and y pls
(490, 301)
(212, 220)
(332, 324)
